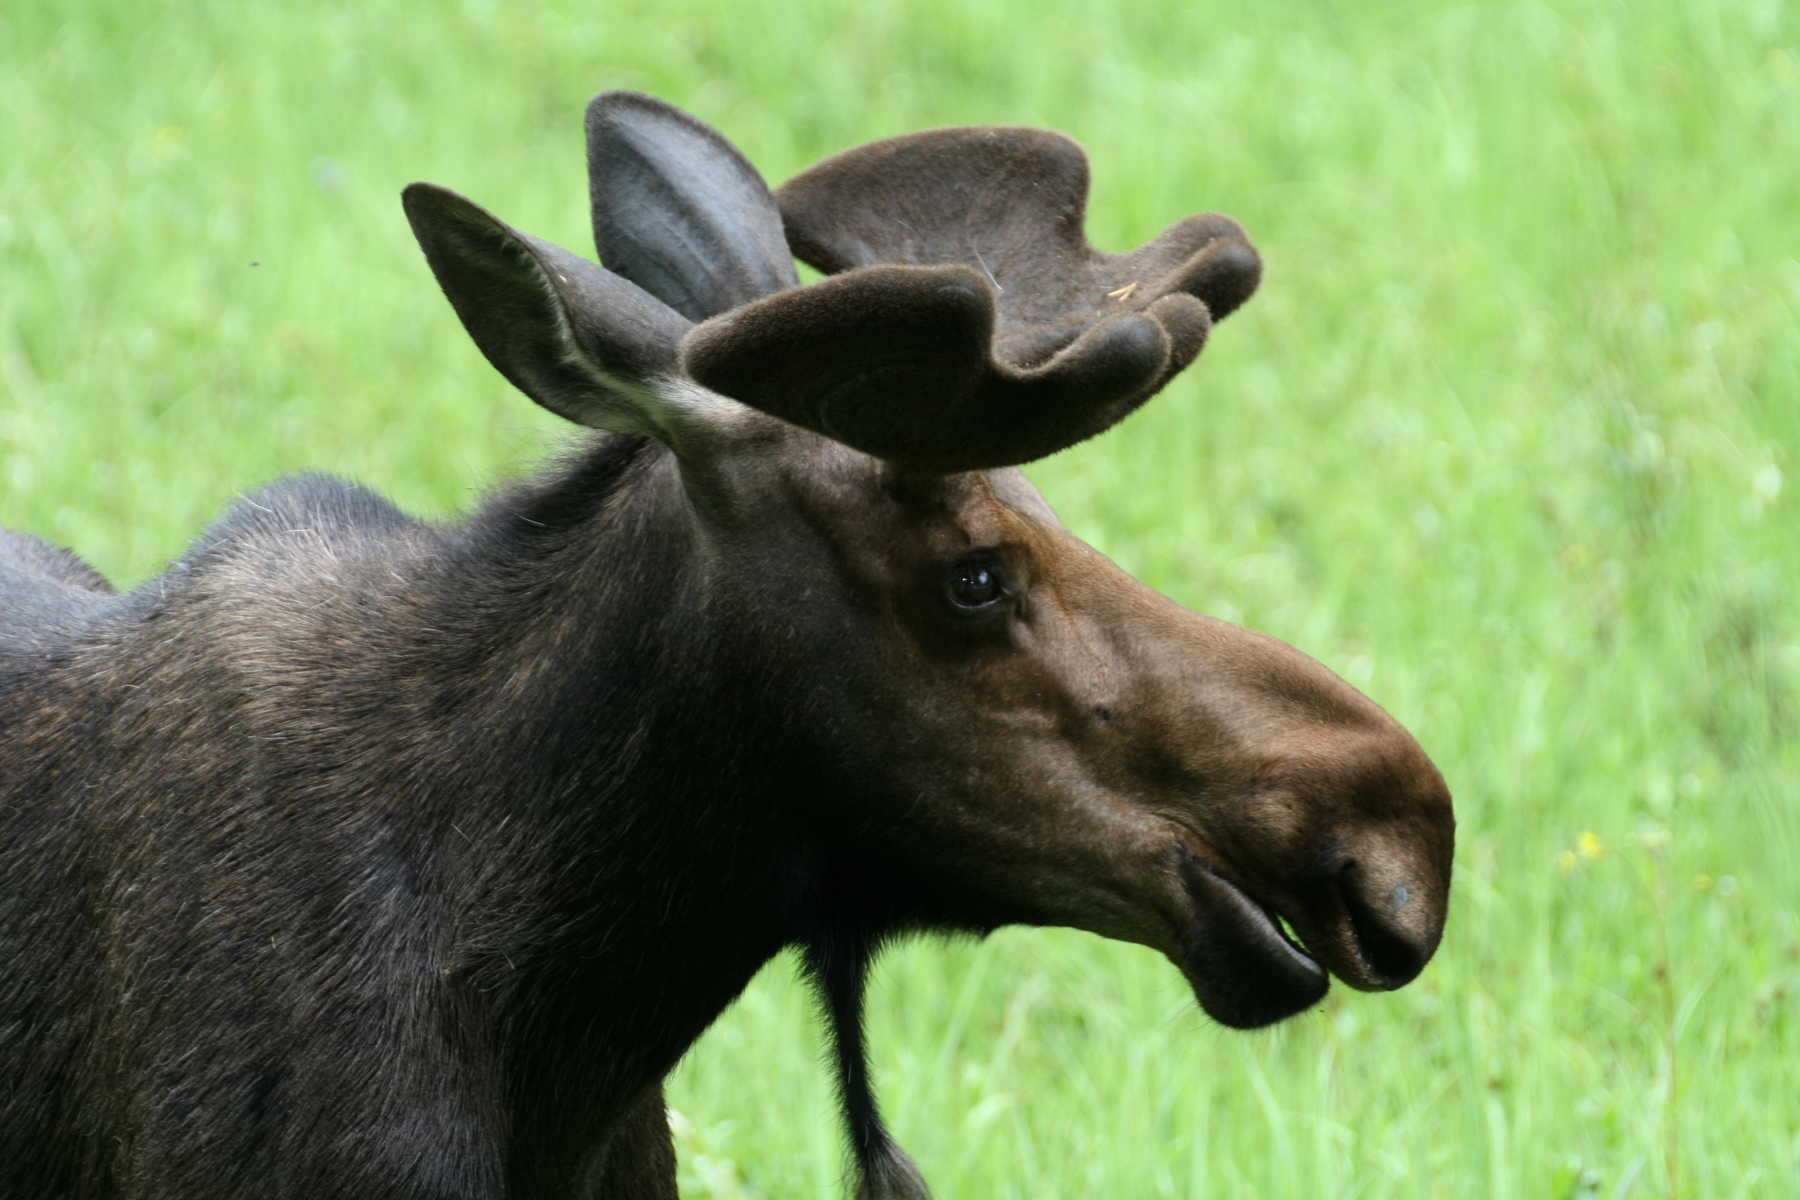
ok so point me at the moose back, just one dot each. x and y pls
(362, 857)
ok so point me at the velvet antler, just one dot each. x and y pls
(968, 324)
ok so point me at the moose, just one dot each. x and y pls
(357, 856)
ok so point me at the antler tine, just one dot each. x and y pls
(968, 323)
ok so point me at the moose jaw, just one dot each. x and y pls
(357, 856)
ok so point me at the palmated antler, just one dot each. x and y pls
(968, 324)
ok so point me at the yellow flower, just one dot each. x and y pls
(1590, 847)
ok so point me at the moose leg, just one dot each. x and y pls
(640, 1157)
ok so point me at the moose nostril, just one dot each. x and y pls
(1392, 957)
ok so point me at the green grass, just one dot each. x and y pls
(1508, 438)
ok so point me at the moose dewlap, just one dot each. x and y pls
(362, 857)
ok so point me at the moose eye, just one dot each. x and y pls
(979, 583)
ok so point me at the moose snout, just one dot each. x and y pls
(1391, 933)
(1378, 911)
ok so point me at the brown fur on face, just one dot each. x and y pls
(1089, 737)
(361, 856)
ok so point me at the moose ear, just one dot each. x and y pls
(579, 340)
(679, 211)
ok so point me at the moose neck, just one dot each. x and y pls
(623, 841)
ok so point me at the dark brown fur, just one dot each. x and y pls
(361, 857)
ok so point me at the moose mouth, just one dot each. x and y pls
(1245, 970)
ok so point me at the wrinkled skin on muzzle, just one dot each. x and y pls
(1056, 743)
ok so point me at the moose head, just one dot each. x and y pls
(966, 693)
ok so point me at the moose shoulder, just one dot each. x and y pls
(358, 857)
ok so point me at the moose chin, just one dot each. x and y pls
(358, 856)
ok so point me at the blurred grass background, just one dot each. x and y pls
(1507, 439)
